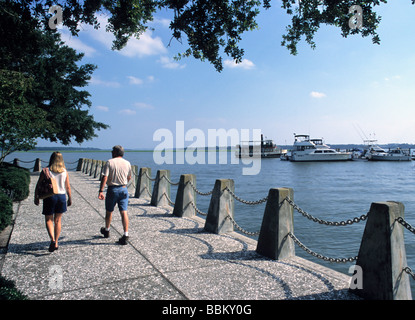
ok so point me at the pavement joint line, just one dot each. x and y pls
(105, 283)
(138, 251)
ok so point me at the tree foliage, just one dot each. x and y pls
(212, 27)
(40, 81)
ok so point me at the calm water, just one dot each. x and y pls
(330, 191)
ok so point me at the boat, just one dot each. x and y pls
(306, 149)
(371, 148)
(266, 148)
(397, 154)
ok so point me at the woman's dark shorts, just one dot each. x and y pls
(54, 204)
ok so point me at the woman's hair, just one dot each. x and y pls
(56, 163)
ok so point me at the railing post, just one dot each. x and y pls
(38, 165)
(80, 164)
(185, 196)
(143, 189)
(382, 255)
(88, 163)
(278, 221)
(93, 166)
(97, 163)
(161, 189)
(221, 205)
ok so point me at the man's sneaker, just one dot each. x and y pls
(123, 240)
(105, 232)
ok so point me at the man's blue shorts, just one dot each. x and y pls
(116, 195)
(54, 204)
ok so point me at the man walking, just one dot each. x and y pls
(116, 174)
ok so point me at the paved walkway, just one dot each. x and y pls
(169, 258)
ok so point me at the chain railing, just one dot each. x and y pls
(411, 229)
(295, 207)
(246, 201)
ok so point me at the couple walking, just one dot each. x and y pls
(116, 174)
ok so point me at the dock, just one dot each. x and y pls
(168, 258)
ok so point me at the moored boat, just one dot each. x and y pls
(306, 149)
(266, 148)
(397, 154)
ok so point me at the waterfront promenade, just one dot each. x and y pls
(168, 258)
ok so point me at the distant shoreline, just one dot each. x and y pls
(209, 149)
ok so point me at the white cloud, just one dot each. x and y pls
(77, 44)
(127, 111)
(145, 46)
(99, 82)
(317, 95)
(142, 105)
(102, 108)
(169, 63)
(135, 80)
(244, 64)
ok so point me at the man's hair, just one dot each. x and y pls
(118, 151)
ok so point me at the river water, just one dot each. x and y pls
(332, 191)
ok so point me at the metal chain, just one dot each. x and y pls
(246, 201)
(320, 256)
(168, 199)
(148, 191)
(26, 161)
(409, 271)
(197, 210)
(240, 228)
(145, 172)
(406, 224)
(198, 192)
(328, 223)
(169, 181)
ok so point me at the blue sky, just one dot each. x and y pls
(343, 84)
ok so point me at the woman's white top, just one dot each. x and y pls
(60, 180)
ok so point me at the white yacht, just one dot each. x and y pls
(371, 148)
(306, 149)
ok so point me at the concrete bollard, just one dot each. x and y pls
(80, 164)
(221, 205)
(161, 189)
(132, 184)
(87, 164)
(143, 189)
(382, 255)
(103, 163)
(185, 196)
(84, 164)
(38, 165)
(93, 166)
(278, 221)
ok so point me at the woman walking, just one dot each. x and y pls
(56, 205)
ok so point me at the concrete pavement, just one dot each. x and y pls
(168, 258)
